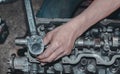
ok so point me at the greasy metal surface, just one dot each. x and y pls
(30, 16)
(95, 50)
(15, 18)
(34, 41)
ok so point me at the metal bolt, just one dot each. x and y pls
(91, 68)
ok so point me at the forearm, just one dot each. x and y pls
(98, 10)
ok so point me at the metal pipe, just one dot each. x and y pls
(30, 16)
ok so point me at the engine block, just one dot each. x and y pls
(97, 51)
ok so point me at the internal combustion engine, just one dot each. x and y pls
(97, 51)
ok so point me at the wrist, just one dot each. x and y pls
(78, 25)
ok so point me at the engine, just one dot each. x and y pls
(97, 51)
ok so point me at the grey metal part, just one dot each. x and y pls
(88, 49)
(107, 21)
(34, 42)
(91, 68)
(35, 45)
(47, 20)
(31, 58)
(20, 63)
(99, 59)
(58, 67)
(30, 16)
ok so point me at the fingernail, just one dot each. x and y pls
(39, 57)
(42, 64)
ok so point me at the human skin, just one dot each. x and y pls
(61, 40)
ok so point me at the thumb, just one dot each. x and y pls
(47, 39)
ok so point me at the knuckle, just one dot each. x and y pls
(57, 44)
(48, 35)
(45, 55)
(67, 52)
(49, 60)
(45, 60)
(62, 50)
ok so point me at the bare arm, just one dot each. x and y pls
(98, 10)
(62, 38)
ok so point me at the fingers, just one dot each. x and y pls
(51, 48)
(53, 56)
(59, 56)
(42, 64)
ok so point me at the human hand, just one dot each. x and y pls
(61, 41)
